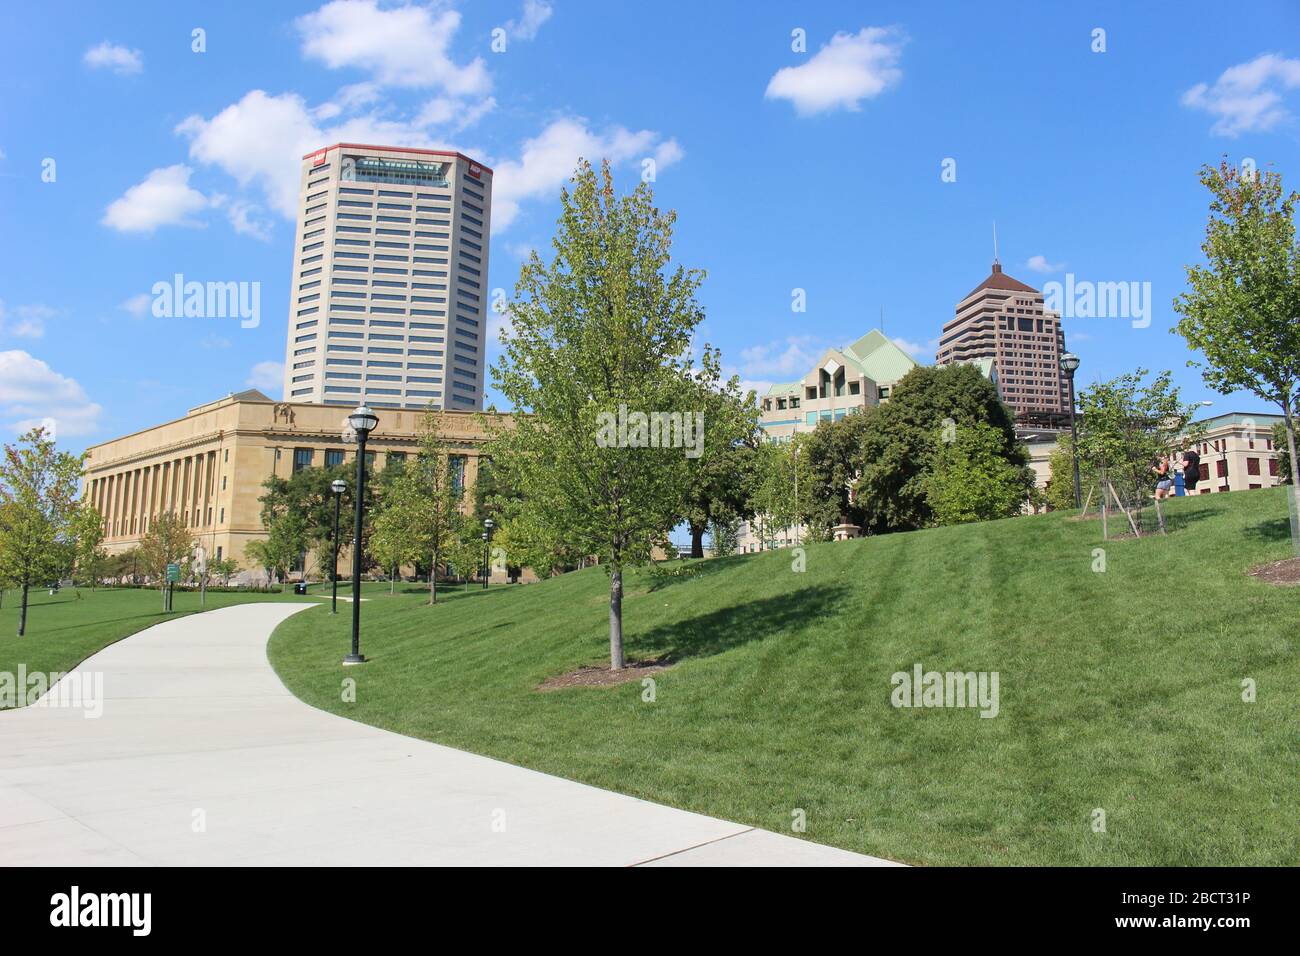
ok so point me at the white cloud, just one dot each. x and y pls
(914, 349)
(246, 219)
(163, 198)
(1040, 264)
(26, 321)
(535, 13)
(31, 392)
(110, 56)
(137, 306)
(268, 376)
(549, 158)
(454, 114)
(257, 141)
(787, 359)
(849, 69)
(1247, 97)
(399, 46)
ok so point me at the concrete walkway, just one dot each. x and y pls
(202, 757)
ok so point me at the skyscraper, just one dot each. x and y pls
(389, 295)
(1002, 326)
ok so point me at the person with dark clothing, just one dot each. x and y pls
(1191, 470)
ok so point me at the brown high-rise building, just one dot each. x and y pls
(1002, 326)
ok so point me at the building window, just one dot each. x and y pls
(301, 459)
(1272, 467)
(1252, 465)
(218, 552)
(333, 457)
(1221, 468)
(457, 472)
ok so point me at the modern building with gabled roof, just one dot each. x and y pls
(841, 381)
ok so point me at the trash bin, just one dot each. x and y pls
(300, 587)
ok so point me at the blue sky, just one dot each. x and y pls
(818, 169)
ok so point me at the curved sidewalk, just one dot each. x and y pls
(202, 757)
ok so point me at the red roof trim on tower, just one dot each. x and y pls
(319, 154)
(1000, 280)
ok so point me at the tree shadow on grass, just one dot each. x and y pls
(731, 627)
(1274, 529)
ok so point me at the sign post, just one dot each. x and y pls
(173, 575)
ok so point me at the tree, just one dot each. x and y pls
(281, 547)
(166, 542)
(38, 504)
(833, 452)
(899, 441)
(716, 478)
(307, 495)
(224, 569)
(1125, 426)
(601, 340)
(772, 500)
(88, 532)
(1059, 494)
(725, 536)
(1242, 311)
(971, 479)
(1283, 456)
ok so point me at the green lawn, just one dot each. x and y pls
(65, 628)
(1119, 690)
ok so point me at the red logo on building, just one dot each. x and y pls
(476, 170)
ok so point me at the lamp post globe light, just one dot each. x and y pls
(362, 422)
(488, 524)
(337, 486)
(1069, 365)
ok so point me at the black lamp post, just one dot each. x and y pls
(338, 486)
(487, 550)
(363, 422)
(1070, 364)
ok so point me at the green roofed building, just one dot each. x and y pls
(841, 382)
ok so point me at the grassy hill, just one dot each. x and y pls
(1120, 690)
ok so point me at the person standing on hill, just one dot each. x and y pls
(1191, 470)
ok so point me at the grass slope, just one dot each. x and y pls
(1120, 690)
(64, 629)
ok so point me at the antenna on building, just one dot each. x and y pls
(882, 319)
(995, 243)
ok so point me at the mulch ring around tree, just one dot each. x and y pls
(597, 676)
(1284, 573)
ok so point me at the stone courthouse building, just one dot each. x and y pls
(210, 465)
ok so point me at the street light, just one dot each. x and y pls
(487, 544)
(1070, 364)
(362, 422)
(338, 486)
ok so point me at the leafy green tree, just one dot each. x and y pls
(971, 478)
(601, 332)
(900, 438)
(724, 536)
(1242, 310)
(834, 464)
(38, 507)
(223, 569)
(285, 540)
(1126, 426)
(88, 533)
(307, 495)
(166, 542)
(1283, 456)
(1059, 494)
(781, 476)
(716, 485)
